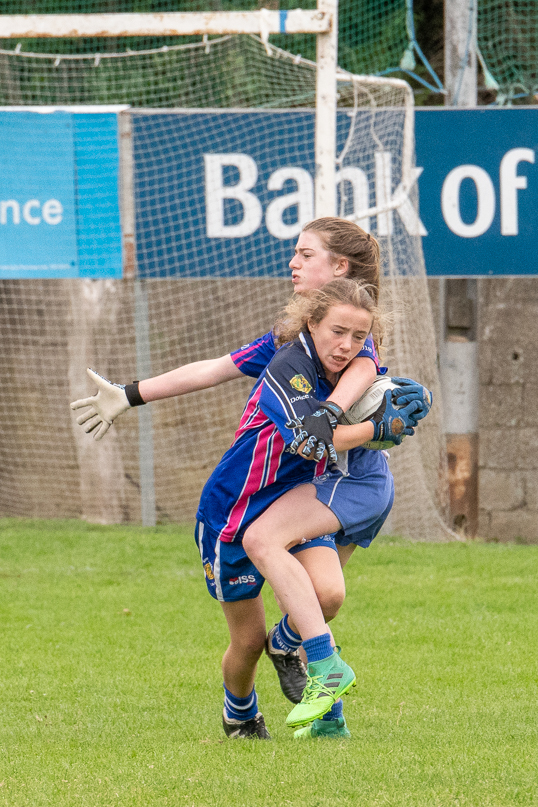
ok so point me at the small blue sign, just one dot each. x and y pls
(99, 236)
(37, 196)
(59, 195)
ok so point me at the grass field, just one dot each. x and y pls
(110, 687)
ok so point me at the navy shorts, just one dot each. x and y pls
(361, 504)
(230, 574)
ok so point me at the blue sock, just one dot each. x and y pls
(318, 648)
(336, 711)
(284, 638)
(240, 708)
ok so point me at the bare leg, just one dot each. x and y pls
(323, 567)
(296, 515)
(345, 552)
(246, 623)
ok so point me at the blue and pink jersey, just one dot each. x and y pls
(256, 470)
(252, 359)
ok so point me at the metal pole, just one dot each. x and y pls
(145, 423)
(170, 23)
(143, 353)
(325, 136)
(460, 52)
(458, 299)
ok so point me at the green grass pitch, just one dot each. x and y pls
(110, 684)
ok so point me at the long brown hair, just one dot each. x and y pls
(345, 239)
(313, 305)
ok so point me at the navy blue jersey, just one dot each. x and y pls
(252, 359)
(256, 470)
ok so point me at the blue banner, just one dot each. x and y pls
(478, 190)
(37, 196)
(224, 193)
(207, 185)
(59, 208)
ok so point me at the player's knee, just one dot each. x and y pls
(250, 646)
(254, 544)
(331, 600)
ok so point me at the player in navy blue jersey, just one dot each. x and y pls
(327, 248)
(328, 327)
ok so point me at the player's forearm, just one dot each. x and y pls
(356, 379)
(189, 378)
(346, 437)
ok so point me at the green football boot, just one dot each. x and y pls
(331, 729)
(327, 680)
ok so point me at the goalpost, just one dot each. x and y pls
(229, 90)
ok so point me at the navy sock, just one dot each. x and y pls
(284, 638)
(318, 648)
(337, 710)
(240, 708)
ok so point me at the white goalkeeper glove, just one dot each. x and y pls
(110, 402)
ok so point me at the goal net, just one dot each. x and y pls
(209, 272)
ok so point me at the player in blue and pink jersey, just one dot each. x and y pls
(328, 327)
(327, 248)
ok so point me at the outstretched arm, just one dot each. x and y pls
(111, 400)
(189, 378)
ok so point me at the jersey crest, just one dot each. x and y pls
(300, 383)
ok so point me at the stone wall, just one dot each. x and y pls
(508, 426)
(506, 329)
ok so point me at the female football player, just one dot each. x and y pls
(322, 330)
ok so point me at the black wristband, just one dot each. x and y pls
(333, 408)
(133, 394)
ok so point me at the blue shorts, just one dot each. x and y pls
(230, 574)
(308, 543)
(360, 503)
(364, 537)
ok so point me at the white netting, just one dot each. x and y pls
(198, 296)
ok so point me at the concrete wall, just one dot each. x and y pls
(506, 331)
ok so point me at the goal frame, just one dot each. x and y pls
(322, 22)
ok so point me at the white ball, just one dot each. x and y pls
(364, 408)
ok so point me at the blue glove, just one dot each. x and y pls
(391, 424)
(409, 390)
